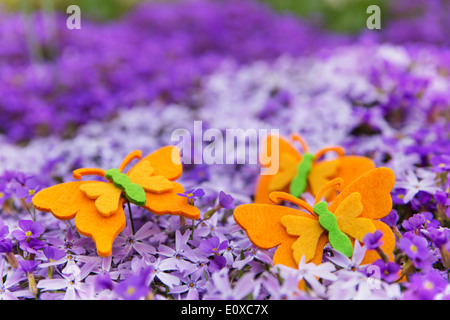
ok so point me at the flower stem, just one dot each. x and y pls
(211, 212)
(182, 221)
(50, 272)
(25, 205)
(396, 232)
(193, 229)
(131, 215)
(12, 260)
(382, 255)
(32, 284)
(408, 268)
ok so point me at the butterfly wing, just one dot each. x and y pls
(103, 230)
(288, 158)
(348, 217)
(320, 174)
(374, 188)
(106, 196)
(62, 200)
(142, 174)
(155, 173)
(287, 171)
(165, 162)
(262, 223)
(171, 203)
(308, 231)
(349, 168)
(66, 201)
(352, 167)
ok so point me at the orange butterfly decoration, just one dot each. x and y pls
(356, 211)
(97, 206)
(306, 172)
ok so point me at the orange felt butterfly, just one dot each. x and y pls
(98, 205)
(306, 172)
(355, 212)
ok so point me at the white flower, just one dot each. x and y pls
(344, 262)
(413, 185)
(71, 282)
(311, 273)
(354, 285)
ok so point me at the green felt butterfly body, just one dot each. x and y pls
(338, 239)
(299, 183)
(134, 192)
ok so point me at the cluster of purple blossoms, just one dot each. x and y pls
(53, 79)
(230, 66)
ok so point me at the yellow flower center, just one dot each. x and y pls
(190, 194)
(31, 192)
(441, 165)
(131, 290)
(28, 233)
(2, 194)
(428, 285)
(413, 248)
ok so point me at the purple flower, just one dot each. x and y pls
(413, 223)
(30, 230)
(439, 237)
(128, 243)
(103, 282)
(440, 163)
(193, 285)
(213, 245)
(220, 287)
(5, 193)
(27, 190)
(416, 248)
(248, 257)
(28, 266)
(4, 230)
(430, 222)
(192, 194)
(225, 200)
(441, 197)
(391, 219)
(161, 270)
(373, 240)
(53, 254)
(182, 254)
(388, 271)
(69, 243)
(6, 245)
(31, 245)
(135, 286)
(424, 286)
(71, 281)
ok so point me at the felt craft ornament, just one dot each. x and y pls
(97, 206)
(306, 172)
(350, 215)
